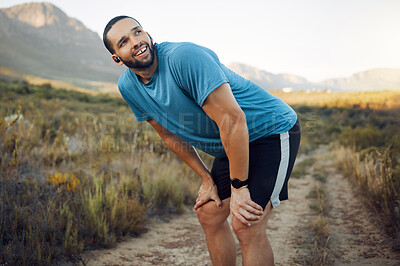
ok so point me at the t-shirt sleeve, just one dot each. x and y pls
(197, 71)
(137, 111)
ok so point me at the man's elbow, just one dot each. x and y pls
(235, 121)
(240, 117)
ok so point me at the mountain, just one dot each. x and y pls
(374, 79)
(271, 81)
(39, 39)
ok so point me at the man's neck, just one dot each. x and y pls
(145, 74)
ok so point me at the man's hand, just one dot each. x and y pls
(208, 191)
(243, 208)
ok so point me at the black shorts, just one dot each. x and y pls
(271, 161)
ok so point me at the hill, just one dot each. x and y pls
(370, 80)
(374, 79)
(271, 81)
(39, 39)
(40, 43)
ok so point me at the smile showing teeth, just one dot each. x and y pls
(142, 51)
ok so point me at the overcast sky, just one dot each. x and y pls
(314, 39)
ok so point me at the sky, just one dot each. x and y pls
(314, 39)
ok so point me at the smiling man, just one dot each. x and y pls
(194, 101)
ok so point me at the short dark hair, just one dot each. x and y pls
(109, 25)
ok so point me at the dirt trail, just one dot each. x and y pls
(355, 239)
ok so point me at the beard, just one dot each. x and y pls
(141, 65)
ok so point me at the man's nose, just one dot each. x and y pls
(135, 42)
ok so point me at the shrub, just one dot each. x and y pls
(61, 192)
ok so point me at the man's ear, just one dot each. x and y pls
(117, 60)
(149, 35)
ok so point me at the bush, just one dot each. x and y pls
(71, 180)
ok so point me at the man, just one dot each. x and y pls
(192, 100)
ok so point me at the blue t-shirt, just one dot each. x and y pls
(186, 74)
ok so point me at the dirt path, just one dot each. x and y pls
(354, 237)
(171, 242)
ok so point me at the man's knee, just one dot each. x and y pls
(246, 234)
(210, 215)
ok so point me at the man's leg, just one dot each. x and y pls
(220, 241)
(253, 240)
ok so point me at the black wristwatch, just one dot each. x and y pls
(236, 183)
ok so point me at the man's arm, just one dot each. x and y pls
(221, 106)
(189, 155)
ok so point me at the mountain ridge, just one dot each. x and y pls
(372, 79)
(40, 14)
(39, 39)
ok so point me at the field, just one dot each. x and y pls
(78, 172)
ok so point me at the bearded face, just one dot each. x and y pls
(143, 57)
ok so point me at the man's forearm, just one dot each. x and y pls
(221, 106)
(235, 138)
(183, 150)
(188, 154)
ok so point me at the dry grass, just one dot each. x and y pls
(72, 179)
(382, 100)
(319, 228)
(77, 172)
(97, 87)
(372, 172)
(366, 127)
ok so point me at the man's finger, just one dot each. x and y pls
(218, 202)
(249, 216)
(252, 208)
(198, 204)
(255, 205)
(241, 219)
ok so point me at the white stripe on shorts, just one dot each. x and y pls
(283, 166)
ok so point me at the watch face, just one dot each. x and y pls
(236, 183)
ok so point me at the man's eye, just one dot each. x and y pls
(122, 43)
(139, 31)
